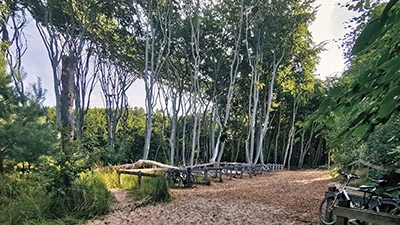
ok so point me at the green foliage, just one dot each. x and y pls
(24, 199)
(24, 133)
(152, 190)
(382, 146)
(372, 95)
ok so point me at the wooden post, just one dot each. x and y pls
(205, 175)
(139, 178)
(119, 178)
(250, 171)
(230, 174)
(340, 220)
(220, 175)
(242, 171)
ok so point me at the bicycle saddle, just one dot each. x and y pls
(369, 187)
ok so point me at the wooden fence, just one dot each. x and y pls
(344, 213)
(214, 170)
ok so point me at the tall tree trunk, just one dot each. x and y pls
(1, 164)
(305, 148)
(172, 138)
(234, 66)
(289, 148)
(154, 59)
(149, 84)
(318, 152)
(277, 137)
(254, 92)
(276, 65)
(67, 101)
(84, 85)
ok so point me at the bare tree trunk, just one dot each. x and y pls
(304, 149)
(289, 147)
(55, 45)
(67, 101)
(271, 89)
(84, 85)
(154, 61)
(184, 141)
(149, 84)
(115, 81)
(254, 92)
(277, 138)
(233, 74)
(318, 152)
(12, 27)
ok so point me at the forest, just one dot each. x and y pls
(225, 80)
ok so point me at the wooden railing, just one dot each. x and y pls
(344, 213)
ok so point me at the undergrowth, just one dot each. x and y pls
(152, 191)
(26, 199)
(110, 179)
(31, 198)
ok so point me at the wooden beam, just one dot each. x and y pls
(367, 215)
(140, 173)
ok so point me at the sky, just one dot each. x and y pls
(328, 27)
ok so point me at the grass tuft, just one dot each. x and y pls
(152, 190)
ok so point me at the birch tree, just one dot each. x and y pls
(157, 49)
(233, 73)
(115, 80)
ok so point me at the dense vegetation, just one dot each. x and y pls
(232, 81)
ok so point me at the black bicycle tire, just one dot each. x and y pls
(322, 210)
(172, 180)
(194, 180)
(391, 207)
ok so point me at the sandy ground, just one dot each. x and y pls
(285, 197)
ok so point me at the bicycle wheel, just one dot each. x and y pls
(172, 180)
(392, 208)
(326, 210)
(194, 180)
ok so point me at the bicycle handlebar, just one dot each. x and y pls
(348, 176)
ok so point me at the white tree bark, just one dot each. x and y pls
(289, 147)
(154, 62)
(233, 74)
(265, 125)
(114, 82)
(305, 148)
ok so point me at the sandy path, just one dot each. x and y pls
(286, 197)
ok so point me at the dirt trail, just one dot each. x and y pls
(285, 197)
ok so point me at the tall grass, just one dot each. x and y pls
(22, 198)
(110, 179)
(28, 199)
(25, 199)
(152, 190)
(88, 197)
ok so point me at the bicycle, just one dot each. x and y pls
(370, 200)
(175, 177)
